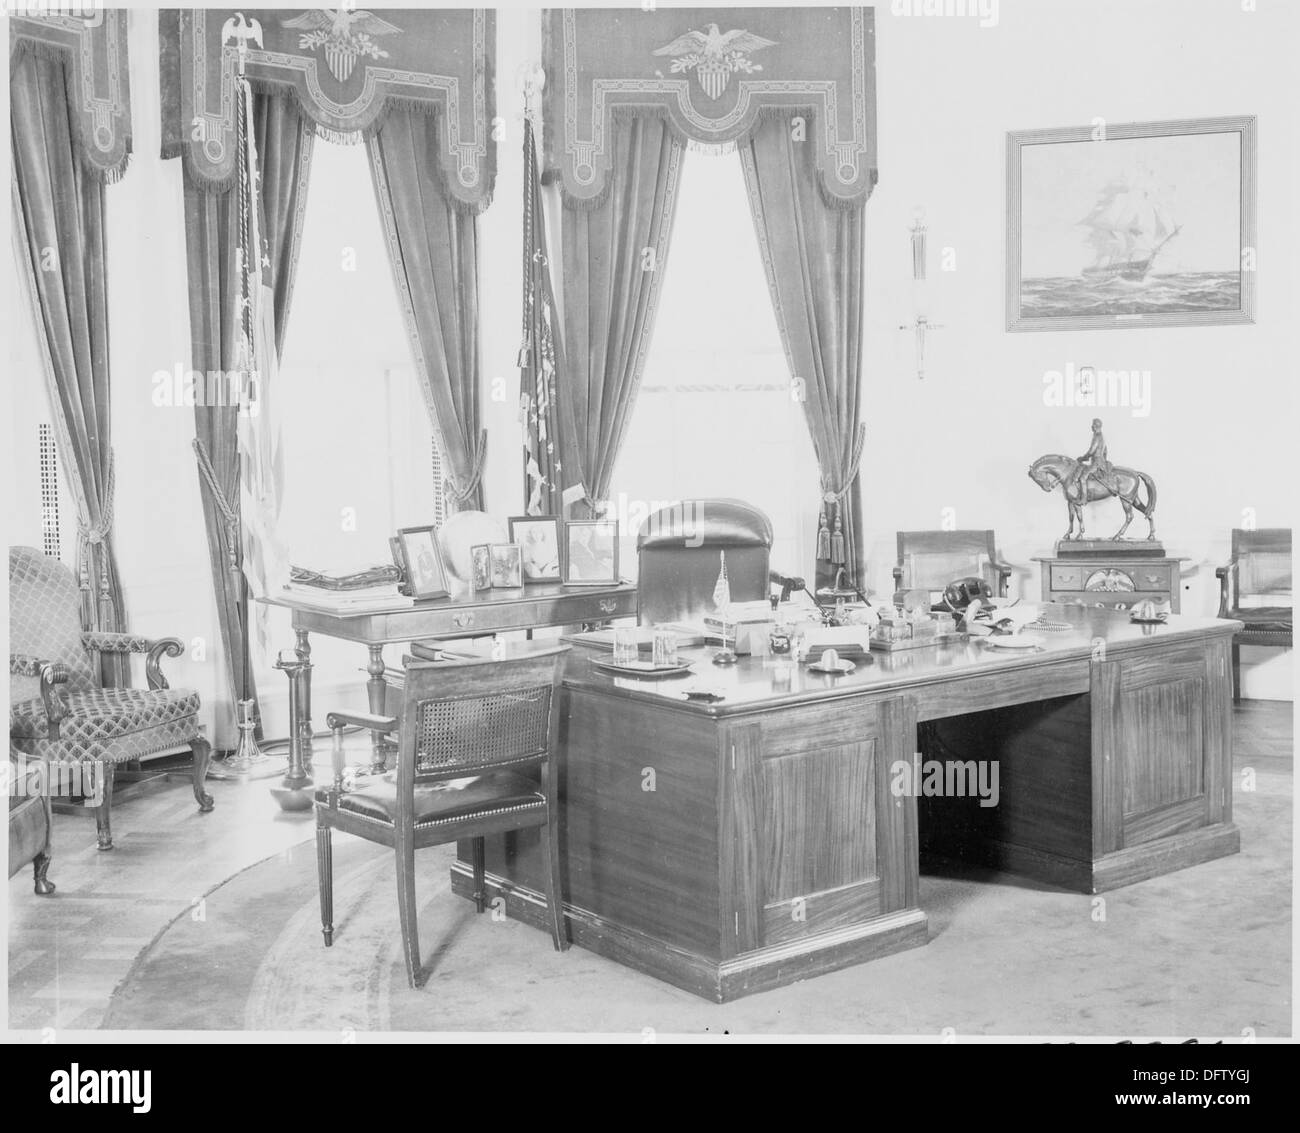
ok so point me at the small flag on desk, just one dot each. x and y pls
(722, 588)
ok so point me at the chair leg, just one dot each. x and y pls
(478, 856)
(325, 877)
(202, 753)
(41, 863)
(554, 898)
(406, 911)
(1236, 673)
(103, 825)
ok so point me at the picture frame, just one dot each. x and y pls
(480, 567)
(1140, 224)
(395, 550)
(538, 537)
(507, 565)
(426, 576)
(591, 552)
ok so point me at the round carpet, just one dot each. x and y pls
(1168, 957)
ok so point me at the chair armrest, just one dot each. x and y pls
(25, 665)
(381, 724)
(51, 674)
(103, 642)
(1224, 575)
(336, 722)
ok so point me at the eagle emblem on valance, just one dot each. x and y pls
(715, 56)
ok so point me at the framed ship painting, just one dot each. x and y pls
(1136, 225)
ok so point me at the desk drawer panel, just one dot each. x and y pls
(1155, 577)
(1067, 577)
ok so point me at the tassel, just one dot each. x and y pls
(823, 539)
(837, 541)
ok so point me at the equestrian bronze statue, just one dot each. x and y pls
(1092, 477)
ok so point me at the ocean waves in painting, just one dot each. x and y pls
(1179, 294)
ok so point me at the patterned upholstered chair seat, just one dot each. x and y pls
(60, 709)
(113, 724)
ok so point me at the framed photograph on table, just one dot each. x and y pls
(538, 537)
(1139, 224)
(425, 575)
(591, 552)
(507, 565)
(480, 567)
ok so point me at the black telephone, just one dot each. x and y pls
(959, 594)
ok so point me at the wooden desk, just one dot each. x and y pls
(737, 846)
(461, 615)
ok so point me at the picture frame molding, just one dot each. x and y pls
(1245, 125)
(557, 523)
(567, 557)
(493, 548)
(411, 582)
(472, 580)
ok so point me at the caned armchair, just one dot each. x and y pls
(60, 712)
(1255, 588)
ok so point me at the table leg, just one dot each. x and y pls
(376, 690)
(303, 646)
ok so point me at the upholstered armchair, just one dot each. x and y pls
(29, 819)
(60, 712)
(1253, 587)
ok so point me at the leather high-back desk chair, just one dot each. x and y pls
(929, 560)
(679, 551)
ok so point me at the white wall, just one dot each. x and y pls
(1220, 435)
(1218, 438)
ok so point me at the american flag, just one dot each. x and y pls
(539, 351)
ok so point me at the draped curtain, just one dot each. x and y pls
(813, 253)
(433, 246)
(613, 254)
(284, 141)
(59, 233)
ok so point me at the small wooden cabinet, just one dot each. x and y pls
(1115, 580)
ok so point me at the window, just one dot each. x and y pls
(715, 416)
(359, 459)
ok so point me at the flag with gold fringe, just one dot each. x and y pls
(539, 351)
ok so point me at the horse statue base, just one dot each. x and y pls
(1102, 548)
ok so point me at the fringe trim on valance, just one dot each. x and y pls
(554, 175)
(63, 57)
(392, 104)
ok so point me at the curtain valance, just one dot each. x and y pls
(347, 68)
(714, 74)
(92, 49)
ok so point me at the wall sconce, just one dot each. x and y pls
(920, 293)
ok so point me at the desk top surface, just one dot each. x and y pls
(464, 599)
(754, 682)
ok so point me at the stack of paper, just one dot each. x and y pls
(385, 597)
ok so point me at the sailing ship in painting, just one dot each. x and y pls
(1128, 231)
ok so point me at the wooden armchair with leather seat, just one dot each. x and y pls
(1250, 585)
(477, 754)
(929, 560)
